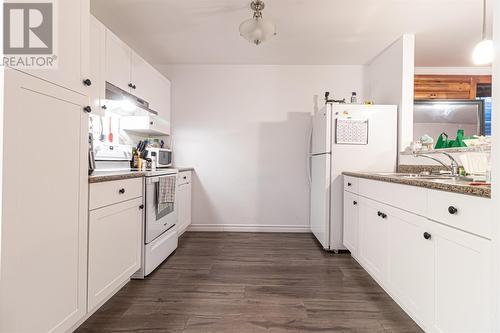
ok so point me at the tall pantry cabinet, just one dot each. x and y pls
(43, 265)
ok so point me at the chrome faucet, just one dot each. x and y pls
(453, 167)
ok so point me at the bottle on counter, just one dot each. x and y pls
(354, 98)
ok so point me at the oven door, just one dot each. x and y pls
(159, 216)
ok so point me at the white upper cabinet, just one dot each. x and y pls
(97, 89)
(142, 77)
(131, 73)
(150, 85)
(160, 100)
(117, 62)
(72, 49)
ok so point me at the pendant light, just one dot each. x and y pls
(483, 52)
(257, 30)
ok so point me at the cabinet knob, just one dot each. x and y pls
(87, 109)
(427, 235)
(354, 203)
(151, 123)
(452, 210)
(141, 207)
(121, 191)
(104, 107)
(184, 177)
(349, 184)
(134, 87)
(87, 82)
(130, 85)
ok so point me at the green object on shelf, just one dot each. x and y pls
(444, 141)
(459, 141)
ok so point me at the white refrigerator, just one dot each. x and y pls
(346, 137)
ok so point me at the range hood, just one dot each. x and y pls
(124, 103)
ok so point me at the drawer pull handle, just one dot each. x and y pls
(452, 210)
(349, 184)
(354, 203)
(121, 191)
(141, 207)
(427, 235)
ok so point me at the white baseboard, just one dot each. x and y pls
(249, 228)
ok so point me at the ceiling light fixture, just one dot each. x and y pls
(257, 30)
(483, 52)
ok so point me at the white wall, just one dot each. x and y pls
(245, 130)
(390, 81)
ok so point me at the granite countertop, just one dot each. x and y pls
(106, 176)
(110, 175)
(183, 169)
(449, 185)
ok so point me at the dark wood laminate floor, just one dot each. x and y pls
(252, 282)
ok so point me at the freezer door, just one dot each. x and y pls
(321, 131)
(320, 198)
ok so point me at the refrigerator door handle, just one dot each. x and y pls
(309, 155)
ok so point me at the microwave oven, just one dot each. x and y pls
(160, 157)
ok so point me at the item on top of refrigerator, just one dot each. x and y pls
(354, 98)
(338, 101)
(369, 103)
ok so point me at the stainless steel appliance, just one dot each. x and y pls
(160, 157)
(434, 117)
(160, 233)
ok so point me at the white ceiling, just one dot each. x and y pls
(317, 32)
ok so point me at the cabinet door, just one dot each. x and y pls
(184, 207)
(411, 264)
(114, 248)
(97, 90)
(71, 34)
(160, 101)
(373, 238)
(117, 61)
(462, 280)
(351, 218)
(142, 76)
(44, 219)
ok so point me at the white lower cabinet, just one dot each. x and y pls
(183, 201)
(115, 241)
(462, 281)
(351, 219)
(410, 276)
(373, 239)
(440, 275)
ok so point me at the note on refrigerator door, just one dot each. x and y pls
(351, 131)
